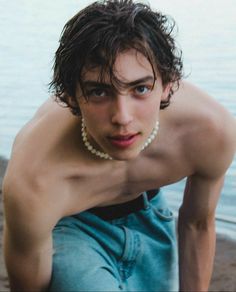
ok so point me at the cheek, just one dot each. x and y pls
(150, 110)
(95, 116)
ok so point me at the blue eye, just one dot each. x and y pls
(142, 89)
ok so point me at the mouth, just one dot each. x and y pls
(123, 141)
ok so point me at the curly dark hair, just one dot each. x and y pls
(98, 33)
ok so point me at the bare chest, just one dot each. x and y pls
(119, 182)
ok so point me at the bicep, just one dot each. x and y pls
(27, 242)
(211, 156)
(201, 196)
(25, 221)
(28, 270)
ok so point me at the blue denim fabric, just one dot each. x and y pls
(137, 252)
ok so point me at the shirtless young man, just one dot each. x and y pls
(79, 216)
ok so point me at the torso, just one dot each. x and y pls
(55, 159)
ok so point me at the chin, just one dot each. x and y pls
(125, 156)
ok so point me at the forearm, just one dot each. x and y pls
(196, 254)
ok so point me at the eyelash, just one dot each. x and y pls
(148, 88)
(104, 93)
(94, 90)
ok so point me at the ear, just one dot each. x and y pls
(74, 106)
(72, 102)
(166, 91)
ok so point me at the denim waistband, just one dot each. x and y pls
(120, 210)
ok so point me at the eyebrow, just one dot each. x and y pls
(92, 83)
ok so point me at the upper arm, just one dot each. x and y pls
(27, 237)
(200, 198)
(211, 156)
(28, 213)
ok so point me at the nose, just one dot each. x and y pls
(122, 111)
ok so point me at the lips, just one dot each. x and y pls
(123, 141)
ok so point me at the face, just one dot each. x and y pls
(119, 123)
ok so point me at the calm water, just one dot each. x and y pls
(30, 31)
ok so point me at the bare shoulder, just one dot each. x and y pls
(40, 138)
(209, 137)
(36, 168)
(48, 117)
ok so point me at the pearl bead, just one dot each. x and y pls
(107, 156)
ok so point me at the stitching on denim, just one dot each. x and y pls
(126, 265)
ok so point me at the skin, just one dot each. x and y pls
(51, 174)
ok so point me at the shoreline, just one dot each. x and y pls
(224, 272)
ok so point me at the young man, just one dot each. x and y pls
(83, 205)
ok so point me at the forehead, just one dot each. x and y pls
(129, 65)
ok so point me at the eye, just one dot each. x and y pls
(142, 89)
(96, 92)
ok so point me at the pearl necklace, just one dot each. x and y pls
(100, 154)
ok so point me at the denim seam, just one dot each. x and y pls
(128, 261)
